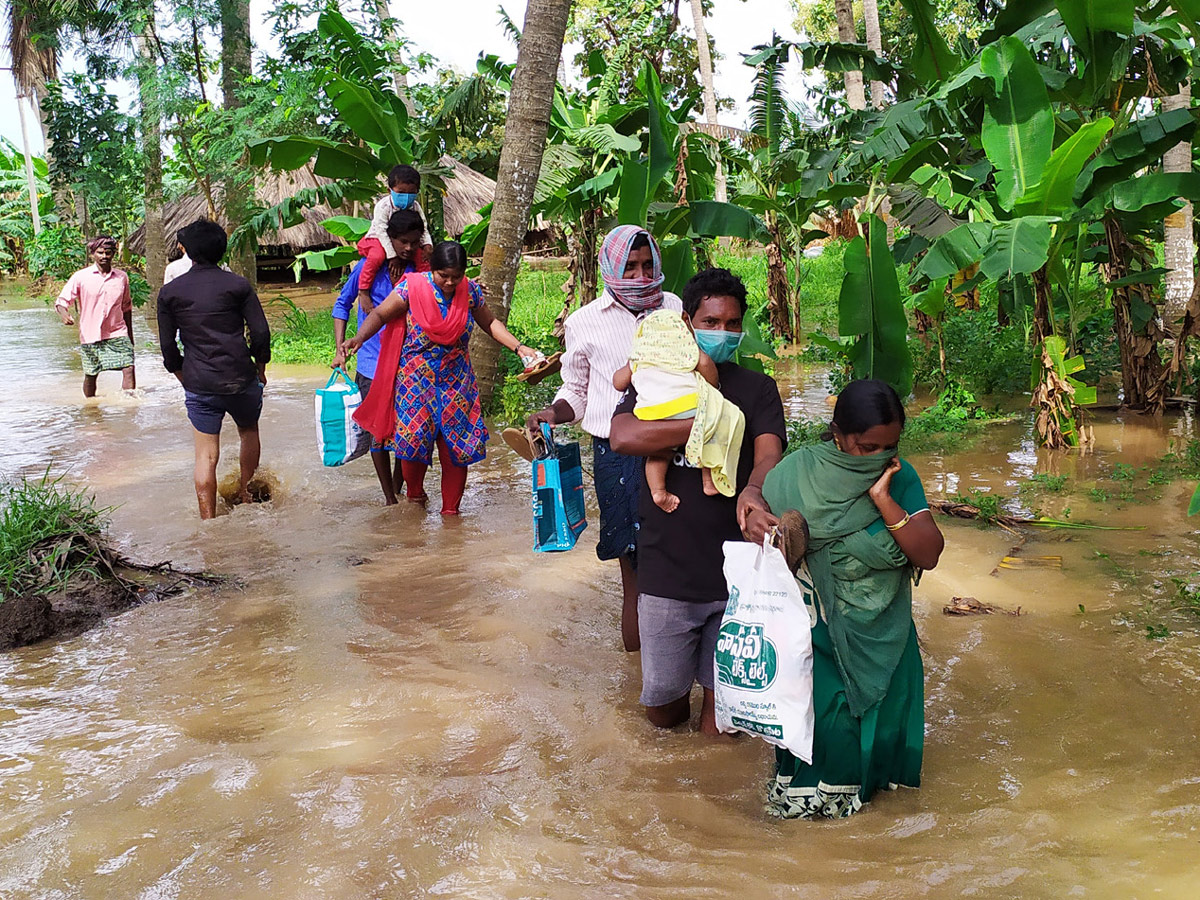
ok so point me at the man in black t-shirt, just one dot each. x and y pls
(682, 586)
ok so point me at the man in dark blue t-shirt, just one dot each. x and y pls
(680, 559)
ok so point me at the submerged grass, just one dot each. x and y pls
(49, 533)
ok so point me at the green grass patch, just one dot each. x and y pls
(953, 419)
(301, 336)
(50, 532)
(990, 505)
(1054, 484)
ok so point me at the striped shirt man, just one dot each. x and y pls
(598, 338)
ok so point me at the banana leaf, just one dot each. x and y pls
(349, 228)
(324, 260)
(1053, 195)
(931, 60)
(1134, 148)
(870, 307)
(712, 219)
(956, 250)
(1018, 247)
(1018, 124)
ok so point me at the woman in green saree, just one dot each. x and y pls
(870, 535)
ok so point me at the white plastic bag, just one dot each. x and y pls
(339, 438)
(763, 661)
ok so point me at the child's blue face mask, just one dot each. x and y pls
(719, 344)
(402, 201)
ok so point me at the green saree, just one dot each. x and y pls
(868, 682)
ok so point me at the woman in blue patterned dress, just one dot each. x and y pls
(433, 398)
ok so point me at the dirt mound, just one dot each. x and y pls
(88, 601)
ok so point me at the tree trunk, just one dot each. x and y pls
(1141, 366)
(875, 43)
(1179, 251)
(525, 130)
(847, 34)
(582, 283)
(720, 194)
(30, 181)
(1043, 325)
(151, 119)
(587, 277)
(778, 308)
(236, 65)
(387, 27)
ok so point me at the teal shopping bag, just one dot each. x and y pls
(339, 438)
(559, 513)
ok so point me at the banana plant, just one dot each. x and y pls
(1057, 100)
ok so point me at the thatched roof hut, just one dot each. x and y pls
(467, 192)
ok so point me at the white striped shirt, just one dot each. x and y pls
(598, 339)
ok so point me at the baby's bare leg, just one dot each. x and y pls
(710, 486)
(656, 480)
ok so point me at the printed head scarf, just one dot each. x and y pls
(635, 294)
(101, 241)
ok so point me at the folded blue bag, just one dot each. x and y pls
(559, 513)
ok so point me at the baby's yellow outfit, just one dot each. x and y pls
(663, 360)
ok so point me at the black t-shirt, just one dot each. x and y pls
(213, 312)
(679, 554)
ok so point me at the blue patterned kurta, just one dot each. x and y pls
(436, 393)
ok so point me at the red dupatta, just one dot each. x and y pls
(377, 414)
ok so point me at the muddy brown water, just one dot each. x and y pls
(396, 705)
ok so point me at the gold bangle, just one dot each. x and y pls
(899, 524)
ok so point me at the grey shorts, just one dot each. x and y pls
(679, 638)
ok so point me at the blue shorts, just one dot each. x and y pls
(206, 411)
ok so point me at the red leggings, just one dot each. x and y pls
(454, 479)
(376, 257)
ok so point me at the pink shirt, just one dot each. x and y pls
(598, 339)
(102, 300)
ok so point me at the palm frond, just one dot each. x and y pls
(560, 165)
(603, 138)
(511, 31)
(768, 107)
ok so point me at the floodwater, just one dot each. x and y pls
(388, 704)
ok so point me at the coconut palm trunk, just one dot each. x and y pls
(875, 43)
(847, 34)
(151, 122)
(387, 27)
(236, 48)
(35, 65)
(1179, 251)
(710, 94)
(525, 131)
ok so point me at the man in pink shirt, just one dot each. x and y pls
(101, 295)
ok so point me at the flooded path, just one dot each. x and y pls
(393, 705)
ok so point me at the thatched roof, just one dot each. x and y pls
(467, 192)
